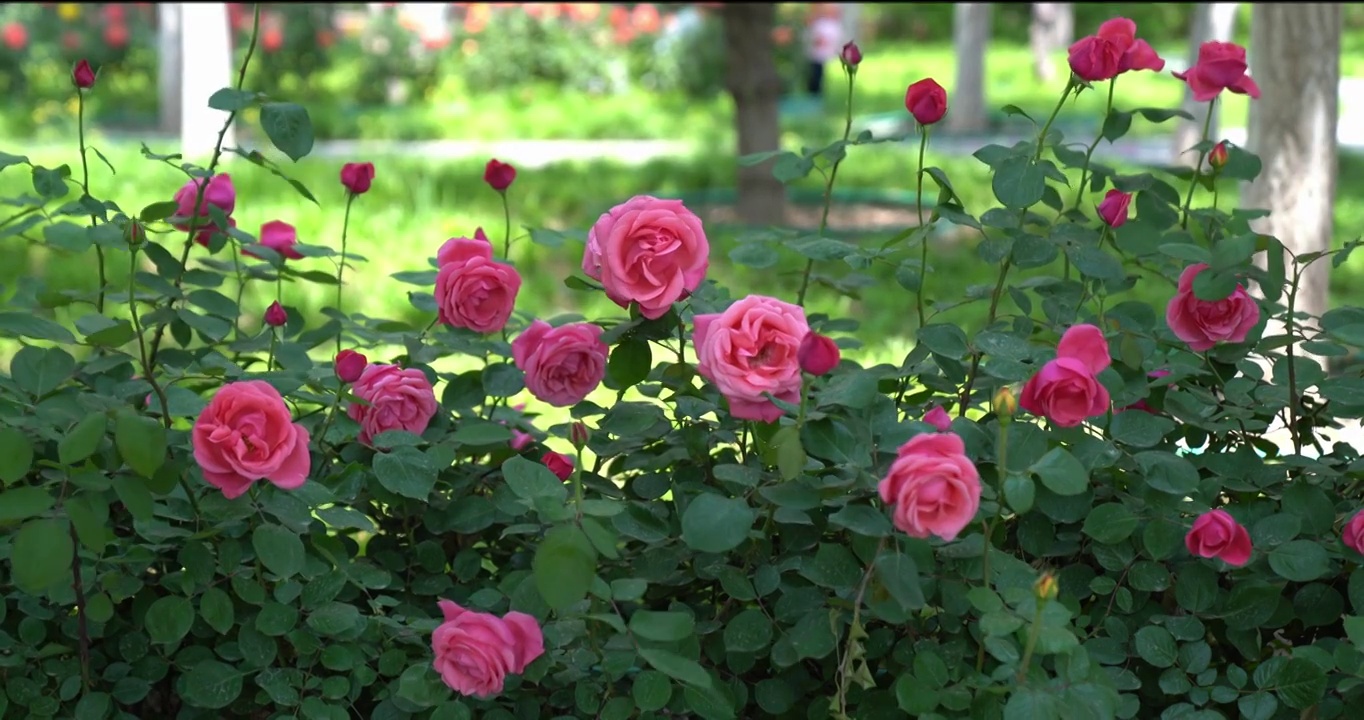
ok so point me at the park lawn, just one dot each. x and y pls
(415, 205)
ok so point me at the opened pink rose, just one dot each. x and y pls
(933, 487)
(562, 364)
(1067, 389)
(1220, 66)
(1113, 50)
(1204, 323)
(1353, 534)
(476, 651)
(1215, 534)
(247, 434)
(218, 193)
(752, 349)
(398, 399)
(279, 236)
(647, 250)
(472, 290)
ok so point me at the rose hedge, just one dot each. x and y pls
(206, 517)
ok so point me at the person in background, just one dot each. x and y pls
(824, 36)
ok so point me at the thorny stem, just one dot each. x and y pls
(985, 552)
(829, 188)
(78, 587)
(85, 188)
(341, 269)
(1198, 169)
(1033, 633)
(1294, 431)
(194, 228)
(1089, 153)
(241, 289)
(506, 225)
(919, 210)
(839, 700)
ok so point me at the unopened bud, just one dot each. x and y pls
(1045, 588)
(133, 233)
(817, 354)
(350, 365)
(275, 315)
(851, 56)
(1217, 157)
(1005, 405)
(579, 435)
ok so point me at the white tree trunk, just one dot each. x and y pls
(206, 48)
(1052, 28)
(1295, 59)
(851, 17)
(169, 65)
(971, 36)
(1211, 21)
(753, 81)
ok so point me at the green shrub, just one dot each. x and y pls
(702, 511)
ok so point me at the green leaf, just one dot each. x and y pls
(716, 524)
(755, 254)
(564, 566)
(215, 607)
(1061, 473)
(1300, 561)
(81, 441)
(289, 128)
(1168, 473)
(278, 549)
(142, 443)
(748, 632)
(405, 471)
(23, 503)
(863, 520)
(629, 363)
(16, 455)
(334, 618)
(1137, 428)
(133, 493)
(1300, 683)
(1110, 523)
(1096, 262)
(914, 696)
(39, 371)
(92, 706)
(91, 521)
(40, 555)
(1249, 605)
(1018, 182)
(532, 481)
(1032, 703)
(169, 619)
(212, 685)
(28, 325)
(946, 340)
(899, 575)
(231, 99)
(1156, 646)
(676, 667)
(662, 626)
(651, 690)
(1020, 492)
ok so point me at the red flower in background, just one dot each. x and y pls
(116, 36)
(271, 39)
(114, 13)
(238, 16)
(477, 19)
(325, 38)
(584, 12)
(71, 40)
(15, 36)
(644, 18)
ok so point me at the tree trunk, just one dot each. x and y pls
(1295, 59)
(1211, 21)
(170, 66)
(971, 35)
(204, 36)
(753, 81)
(1052, 28)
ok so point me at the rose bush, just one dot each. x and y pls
(705, 505)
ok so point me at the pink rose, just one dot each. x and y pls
(1113, 50)
(938, 418)
(519, 440)
(750, 349)
(499, 175)
(926, 100)
(1141, 404)
(204, 236)
(1353, 534)
(476, 651)
(1204, 323)
(559, 464)
(356, 177)
(279, 236)
(818, 354)
(1114, 207)
(247, 433)
(219, 193)
(399, 399)
(1220, 66)
(350, 365)
(1215, 534)
(933, 486)
(647, 250)
(1067, 390)
(562, 364)
(472, 290)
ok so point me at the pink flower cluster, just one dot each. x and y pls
(1113, 50)
(476, 651)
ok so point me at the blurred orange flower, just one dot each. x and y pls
(644, 18)
(782, 35)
